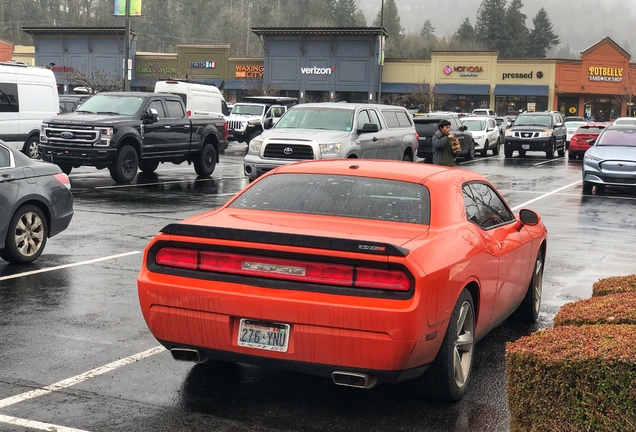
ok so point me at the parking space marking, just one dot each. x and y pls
(44, 270)
(32, 424)
(548, 161)
(166, 182)
(546, 195)
(61, 385)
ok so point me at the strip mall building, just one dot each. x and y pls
(342, 64)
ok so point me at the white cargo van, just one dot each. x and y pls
(28, 95)
(200, 99)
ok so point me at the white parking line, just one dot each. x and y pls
(548, 161)
(166, 182)
(44, 270)
(545, 195)
(36, 425)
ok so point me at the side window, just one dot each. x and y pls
(175, 109)
(363, 117)
(375, 119)
(484, 207)
(5, 158)
(156, 104)
(455, 124)
(403, 119)
(391, 119)
(224, 108)
(9, 98)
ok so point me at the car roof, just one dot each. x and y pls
(477, 118)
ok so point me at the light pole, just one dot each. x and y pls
(127, 47)
(380, 59)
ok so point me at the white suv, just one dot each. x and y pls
(486, 112)
(486, 133)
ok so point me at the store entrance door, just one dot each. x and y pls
(569, 106)
(601, 110)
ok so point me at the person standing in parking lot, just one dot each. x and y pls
(442, 150)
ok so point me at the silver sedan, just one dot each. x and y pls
(611, 160)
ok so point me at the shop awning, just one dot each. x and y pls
(242, 84)
(520, 90)
(394, 87)
(462, 89)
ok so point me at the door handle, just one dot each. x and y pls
(501, 245)
(187, 126)
(375, 139)
(166, 127)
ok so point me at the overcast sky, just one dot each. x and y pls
(578, 24)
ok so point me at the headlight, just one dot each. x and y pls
(43, 137)
(253, 123)
(508, 132)
(545, 134)
(255, 144)
(330, 149)
(106, 136)
(478, 136)
(592, 158)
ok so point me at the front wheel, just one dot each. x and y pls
(484, 151)
(205, 162)
(26, 236)
(495, 151)
(508, 152)
(471, 152)
(528, 310)
(549, 153)
(31, 148)
(126, 164)
(447, 377)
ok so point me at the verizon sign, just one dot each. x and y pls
(317, 71)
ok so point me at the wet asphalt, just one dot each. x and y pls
(72, 318)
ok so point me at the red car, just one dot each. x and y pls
(360, 270)
(579, 141)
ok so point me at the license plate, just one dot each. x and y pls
(525, 146)
(263, 335)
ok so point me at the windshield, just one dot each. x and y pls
(574, 124)
(543, 121)
(625, 137)
(475, 125)
(256, 110)
(112, 104)
(317, 118)
(339, 195)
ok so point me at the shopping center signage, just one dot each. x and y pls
(150, 70)
(521, 75)
(203, 64)
(605, 74)
(62, 68)
(317, 71)
(249, 71)
(464, 70)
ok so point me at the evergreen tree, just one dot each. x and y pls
(516, 31)
(490, 25)
(427, 31)
(393, 26)
(465, 32)
(542, 37)
(345, 13)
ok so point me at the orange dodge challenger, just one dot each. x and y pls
(360, 270)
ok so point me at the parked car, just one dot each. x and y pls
(625, 120)
(70, 102)
(612, 159)
(536, 131)
(486, 133)
(331, 130)
(248, 118)
(570, 128)
(35, 203)
(200, 100)
(486, 112)
(568, 119)
(426, 126)
(581, 140)
(363, 271)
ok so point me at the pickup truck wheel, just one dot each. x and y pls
(148, 166)
(125, 167)
(66, 168)
(31, 148)
(205, 162)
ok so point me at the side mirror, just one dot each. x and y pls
(463, 128)
(490, 129)
(558, 125)
(368, 128)
(528, 217)
(269, 123)
(151, 116)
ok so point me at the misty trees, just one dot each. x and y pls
(427, 31)
(392, 24)
(465, 32)
(516, 32)
(490, 28)
(542, 37)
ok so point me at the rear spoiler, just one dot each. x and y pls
(346, 245)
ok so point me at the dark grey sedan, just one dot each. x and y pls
(35, 203)
(611, 160)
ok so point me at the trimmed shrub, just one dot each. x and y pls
(609, 309)
(573, 378)
(613, 285)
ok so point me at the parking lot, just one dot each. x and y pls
(76, 354)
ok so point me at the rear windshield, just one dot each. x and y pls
(339, 195)
(626, 137)
(426, 127)
(590, 129)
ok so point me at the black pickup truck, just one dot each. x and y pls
(128, 131)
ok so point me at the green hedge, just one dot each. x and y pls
(573, 379)
(609, 309)
(613, 285)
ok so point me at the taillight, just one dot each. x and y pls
(63, 178)
(284, 269)
(189, 113)
(417, 136)
(225, 131)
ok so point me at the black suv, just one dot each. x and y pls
(426, 126)
(536, 131)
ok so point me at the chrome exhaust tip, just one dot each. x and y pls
(353, 379)
(188, 355)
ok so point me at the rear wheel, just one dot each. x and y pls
(484, 151)
(528, 310)
(126, 164)
(447, 377)
(26, 236)
(205, 162)
(495, 151)
(407, 157)
(31, 148)
(470, 155)
(148, 166)
(572, 155)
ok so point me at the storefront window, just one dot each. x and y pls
(615, 111)
(353, 97)
(513, 104)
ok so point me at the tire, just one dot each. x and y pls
(66, 168)
(508, 152)
(470, 155)
(522, 153)
(205, 162)
(126, 165)
(528, 310)
(495, 151)
(484, 151)
(550, 152)
(407, 158)
(448, 376)
(572, 155)
(562, 151)
(26, 237)
(31, 148)
(148, 166)
(587, 187)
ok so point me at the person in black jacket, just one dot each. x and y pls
(442, 150)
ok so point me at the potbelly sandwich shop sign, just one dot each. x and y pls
(608, 74)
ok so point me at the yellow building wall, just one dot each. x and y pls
(406, 71)
(24, 54)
